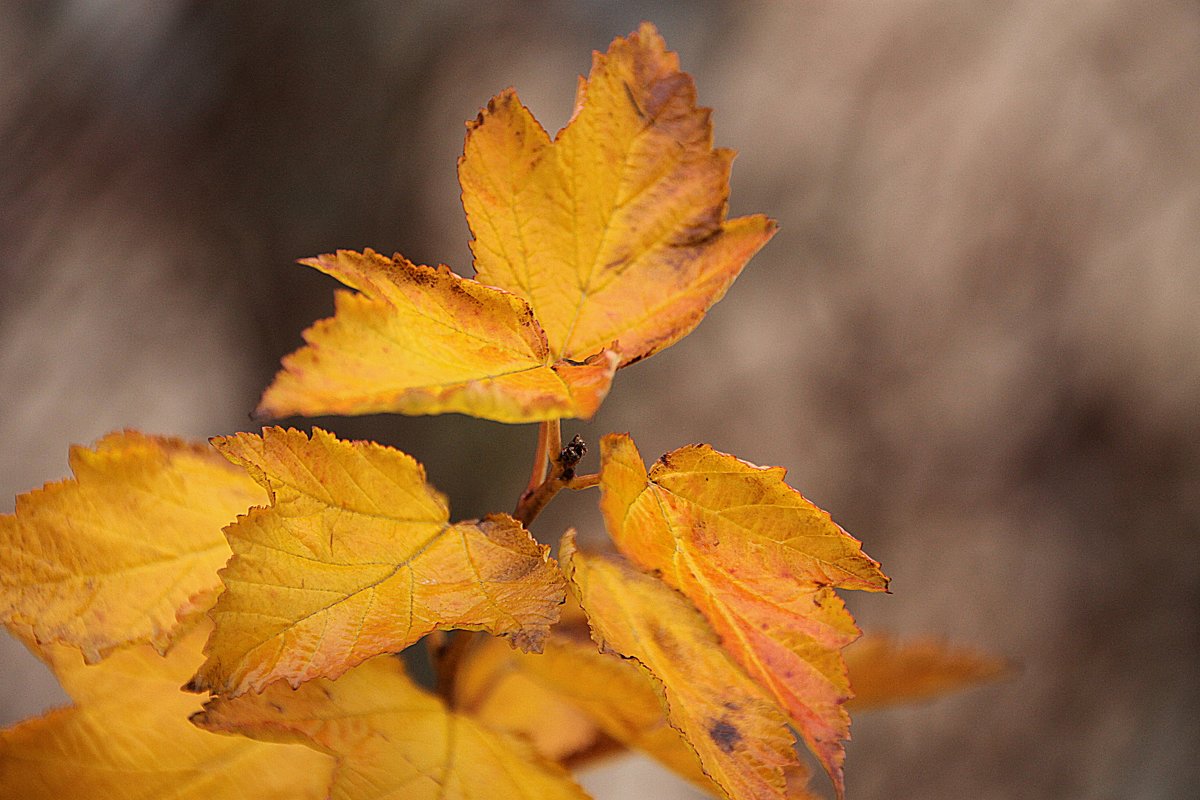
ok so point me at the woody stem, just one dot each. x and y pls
(553, 471)
(549, 442)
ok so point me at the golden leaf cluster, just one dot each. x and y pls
(279, 572)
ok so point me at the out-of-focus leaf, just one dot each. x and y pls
(562, 699)
(393, 739)
(500, 687)
(128, 738)
(125, 549)
(356, 557)
(418, 340)
(616, 230)
(884, 671)
(759, 561)
(740, 736)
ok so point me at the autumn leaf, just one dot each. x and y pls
(616, 230)
(356, 557)
(574, 703)
(741, 738)
(417, 340)
(127, 737)
(498, 686)
(566, 699)
(125, 549)
(614, 235)
(393, 739)
(885, 671)
(759, 561)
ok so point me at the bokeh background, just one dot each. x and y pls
(975, 340)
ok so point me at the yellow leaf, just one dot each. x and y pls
(616, 230)
(417, 340)
(562, 699)
(119, 553)
(498, 686)
(884, 671)
(356, 557)
(128, 737)
(741, 738)
(759, 561)
(393, 739)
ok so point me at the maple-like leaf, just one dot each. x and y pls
(418, 340)
(615, 234)
(759, 561)
(125, 549)
(740, 736)
(128, 738)
(885, 671)
(616, 230)
(566, 699)
(392, 739)
(355, 557)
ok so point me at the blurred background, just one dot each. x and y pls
(975, 339)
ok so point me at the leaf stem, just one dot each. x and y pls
(584, 481)
(553, 471)
(549, 442)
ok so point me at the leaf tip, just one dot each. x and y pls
(201, 720)
(196, 685)
(503, 99)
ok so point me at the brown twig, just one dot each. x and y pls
(549, 442)
(532, 503)
(554, 470)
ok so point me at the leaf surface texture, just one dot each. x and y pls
(355, 557)
(122, 551)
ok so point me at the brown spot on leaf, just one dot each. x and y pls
(667, 642)
(662, 93)
(725, 735)
(423, 276)
(512, 570)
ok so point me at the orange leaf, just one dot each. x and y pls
(128, 736)
(123, 550)
(741, 737)
(392, 739)
(759, 561)
(884, 671)
(417, 340)
(615, 231)
(356, 557)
